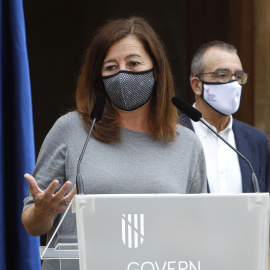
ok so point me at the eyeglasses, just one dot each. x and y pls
(226, 76)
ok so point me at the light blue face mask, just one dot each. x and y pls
(129, 90)
(222, 97)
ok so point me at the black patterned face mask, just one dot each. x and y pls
(129, 90)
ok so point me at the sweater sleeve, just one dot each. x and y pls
(51, 159)
(199, 181)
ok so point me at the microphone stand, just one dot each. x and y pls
(254, 179)
(79, 180)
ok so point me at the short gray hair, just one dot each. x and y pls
(197, 65)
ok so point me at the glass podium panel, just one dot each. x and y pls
(166, 231)
(63, 256)
(61, 251)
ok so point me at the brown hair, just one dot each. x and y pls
(163, 114)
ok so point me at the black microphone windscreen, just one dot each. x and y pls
(98, 108)
(187, 109)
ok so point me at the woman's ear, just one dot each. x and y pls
(196, 86)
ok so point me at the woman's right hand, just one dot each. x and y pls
(46, 202)
(38, 218)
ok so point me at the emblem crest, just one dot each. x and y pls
(133, 230)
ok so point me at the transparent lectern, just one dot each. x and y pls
(168, 232)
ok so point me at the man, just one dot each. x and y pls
(216, 78)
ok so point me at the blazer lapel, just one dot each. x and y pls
(243, 145)
(186, 122)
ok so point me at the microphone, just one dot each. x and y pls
(96, 115)
(196, 116)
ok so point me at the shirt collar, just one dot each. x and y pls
(205, 131)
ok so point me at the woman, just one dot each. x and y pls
(137, 147)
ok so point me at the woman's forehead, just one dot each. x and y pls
(127, 46)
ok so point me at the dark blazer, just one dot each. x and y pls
(254, 145)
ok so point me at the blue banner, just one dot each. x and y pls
(18, 250)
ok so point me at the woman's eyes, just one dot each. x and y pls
(134, 63)
(131, 64)
(109, 68)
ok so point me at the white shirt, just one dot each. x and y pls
(222, 164)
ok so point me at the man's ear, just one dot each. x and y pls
(196, 86)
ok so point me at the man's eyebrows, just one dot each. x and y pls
(222, 69)
(228, 70)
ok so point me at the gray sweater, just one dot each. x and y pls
(139, 164)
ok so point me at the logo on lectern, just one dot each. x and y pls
(133, 230)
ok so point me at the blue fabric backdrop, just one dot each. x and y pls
(18, 250)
